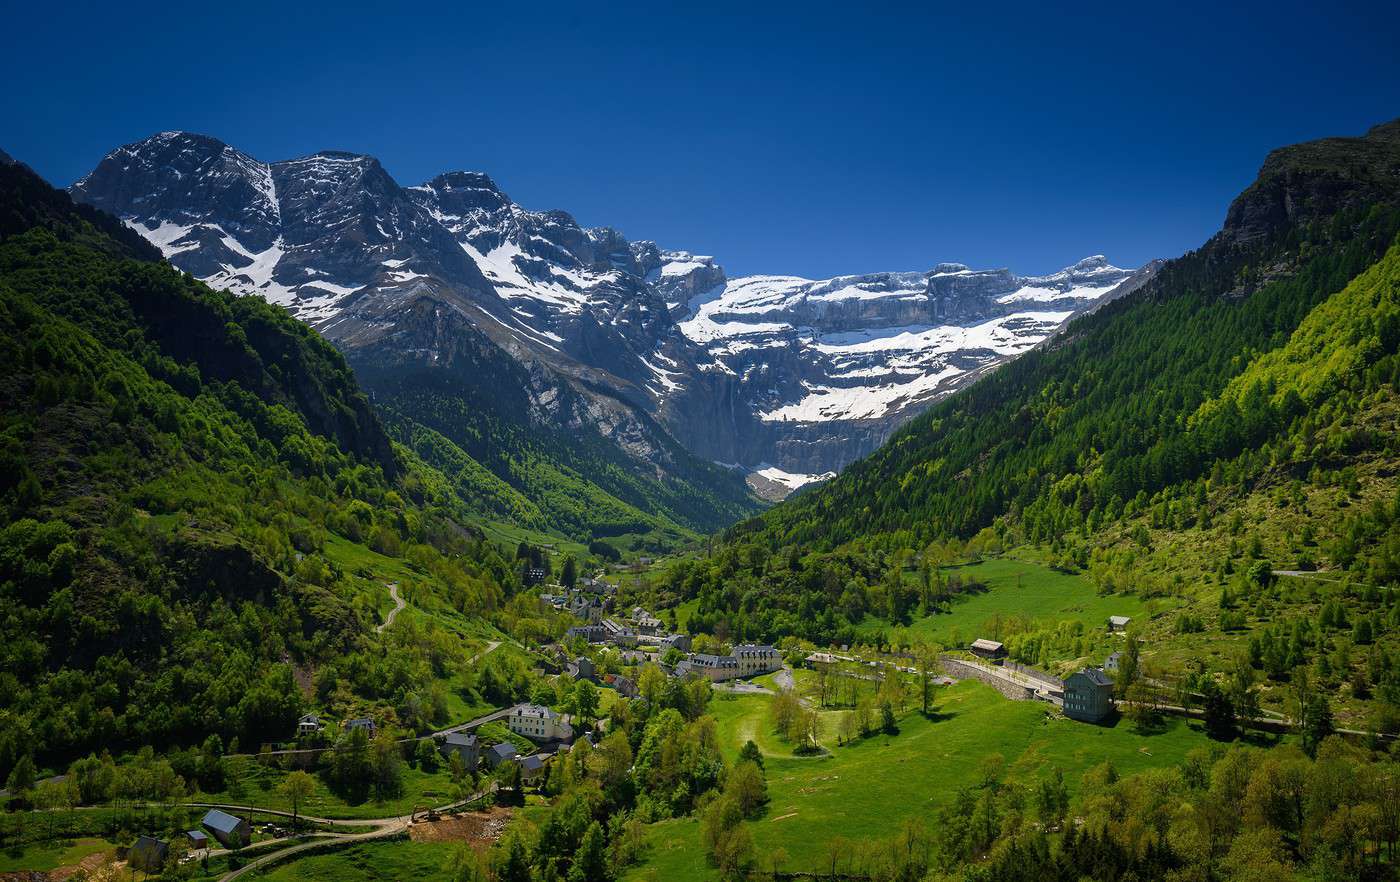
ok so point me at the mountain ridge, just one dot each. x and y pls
(603, 315)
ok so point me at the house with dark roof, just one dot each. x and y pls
(148, 854)
(466, 746)
(363, 723)
(231, 832)
(531, 767)
(197, 839)
(988, 649)
(582, 668)
(500, 753)
(1088, 695)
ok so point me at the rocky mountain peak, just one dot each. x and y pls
(779, 372)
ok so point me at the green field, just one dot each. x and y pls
(866, 789)
(51, 855)
(1016, 589)
(397, 860)
(260, 788)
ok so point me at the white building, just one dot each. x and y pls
(757, 659)
(538, 723)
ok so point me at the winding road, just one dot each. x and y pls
(399, 604)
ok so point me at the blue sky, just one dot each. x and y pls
(801, 139)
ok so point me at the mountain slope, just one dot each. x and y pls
(1108, 402)
(678, 364)
(334, 239)
(199, 508)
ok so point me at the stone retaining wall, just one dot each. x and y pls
(961, 670)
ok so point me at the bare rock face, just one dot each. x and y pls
(652, 346)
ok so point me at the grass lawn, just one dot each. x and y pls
(396, 860)
(1015, 588)
(866, 789)
(260, 789)
(51, 855)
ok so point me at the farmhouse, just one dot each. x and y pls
(1088, 695)
(500, 753)
(1118, 624)
(148, 854)
(1110, 664)
(465, 746)
(231, 832)
(309, 724)
(988, 649)
(538, 723)
(757, 659)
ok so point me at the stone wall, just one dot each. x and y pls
(961, 670)
(1034, 674)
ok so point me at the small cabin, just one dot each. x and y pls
(1118, 624)
(148, 854)
(231, 831)
(988, 649)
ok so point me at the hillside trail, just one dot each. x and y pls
(399, 603)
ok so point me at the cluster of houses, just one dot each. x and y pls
(312, 724)
(536, 722)
(641, 628)
(149, 854)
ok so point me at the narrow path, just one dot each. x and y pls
(490, 648)
(393, 613)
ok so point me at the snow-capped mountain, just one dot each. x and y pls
(787, 378)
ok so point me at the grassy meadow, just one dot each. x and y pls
(1017, 589)
(864, 790)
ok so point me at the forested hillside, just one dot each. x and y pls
(201, 509)
(470, 413)
(1109, 400)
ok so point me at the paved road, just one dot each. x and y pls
(471, 724)
(393, 613)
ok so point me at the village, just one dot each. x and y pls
(609, 649)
